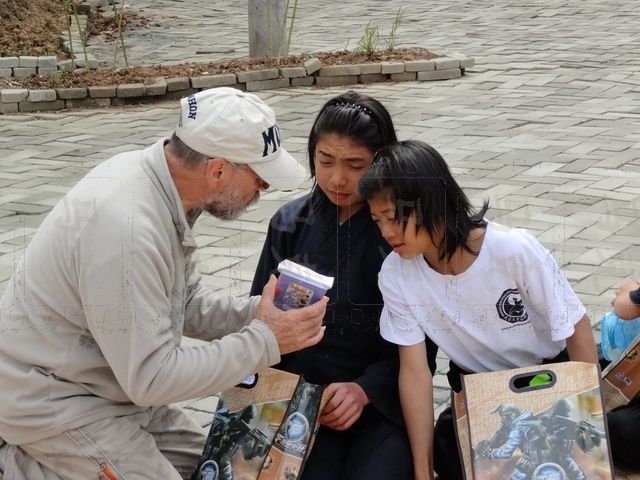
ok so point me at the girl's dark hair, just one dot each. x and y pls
(416, 176)
(362, 119)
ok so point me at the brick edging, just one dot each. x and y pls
(310, 74)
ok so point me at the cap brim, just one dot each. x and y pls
(283, 173)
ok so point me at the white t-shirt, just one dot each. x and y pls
(511, 308)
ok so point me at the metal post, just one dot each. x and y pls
(266, 18)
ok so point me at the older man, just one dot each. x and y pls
(92, 319)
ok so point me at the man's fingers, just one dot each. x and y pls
(315, 338)
(269, 290)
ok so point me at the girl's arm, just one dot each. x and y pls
(580, 345)
(416, 396)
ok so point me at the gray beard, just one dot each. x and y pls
(228, 205)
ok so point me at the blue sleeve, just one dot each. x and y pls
(506, 450)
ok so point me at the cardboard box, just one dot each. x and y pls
(621, 379)
(507, 429)
(263, 429)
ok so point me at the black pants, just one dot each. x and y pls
(372, 449)
(624, 426)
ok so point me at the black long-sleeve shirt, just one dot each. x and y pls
(307, 231)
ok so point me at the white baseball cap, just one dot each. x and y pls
(239, 127)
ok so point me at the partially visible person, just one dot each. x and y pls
(620, 326)
(93, 317)
(490, 297)
(330, 230)
(617, 330)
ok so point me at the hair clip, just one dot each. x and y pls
(359, 108)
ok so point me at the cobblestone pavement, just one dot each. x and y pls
(546, 126)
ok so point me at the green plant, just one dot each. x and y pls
(119, 17)
(67, 9)
(82, 34)
(292, 21)
(393, 34)
(369, 41)
(57, 77)
(290, 11)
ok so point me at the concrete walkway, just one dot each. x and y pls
(546, 126)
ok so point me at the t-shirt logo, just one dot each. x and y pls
(510, 308)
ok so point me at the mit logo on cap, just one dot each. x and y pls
(240, 128)
(193, 107)
(271, 137)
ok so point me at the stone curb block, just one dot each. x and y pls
(177, 84)
(40, 106)
(465, 61)
(71, 93)
(88, 103)
(47, 62)
(211, 81)
(158, 87)
(91, 61)
(6, 72)
(404, 77)
(36, 96)
(312, 65)
(419, 65)
(9, 62)
(177, 95)
(373, 78)
(66, 65)
(440, 75)
(369, 68)
(11, 95)
(392, 67)
(302, 82)
(28, 62)
(24, 71)
(446, 63)
(339, 70)
(8, 108)
(267, 84)
(258, 75)
(102, 92)
(293, 72)
(16, 100)
(46, 70)
(336, 81)
(129, 90)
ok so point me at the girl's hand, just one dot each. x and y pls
(345, 405)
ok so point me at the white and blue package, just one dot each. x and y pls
(299, 286)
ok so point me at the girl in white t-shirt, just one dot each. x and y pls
(491, 298)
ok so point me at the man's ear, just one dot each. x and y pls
(215, 171)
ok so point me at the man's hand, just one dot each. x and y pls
(294, 329)
(345, 405)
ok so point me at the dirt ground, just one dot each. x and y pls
(148, 74)
(33, 27)
(30, 27)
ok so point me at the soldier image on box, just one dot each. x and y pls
(563, 432)
(231, 432)
(546, 442)
(518, 430)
